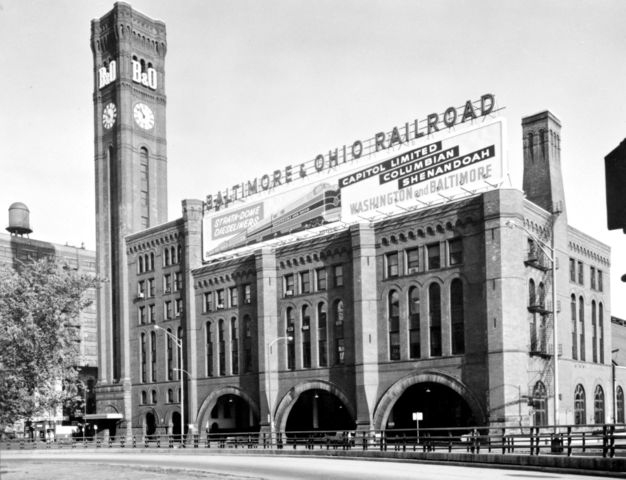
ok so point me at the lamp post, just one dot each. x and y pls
(268, 370)
(179, 344)
(550, 252)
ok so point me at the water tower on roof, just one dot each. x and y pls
(19, 219)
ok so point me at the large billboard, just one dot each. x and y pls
(415, 173)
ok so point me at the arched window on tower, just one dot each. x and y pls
(144, 187)
(531, 146)
(601, 328)
(581, 321)
(414, 323)
(143, 354)
(170, 355)
(457, 317)
(579, 405)
(222, 347)
(291, 346)
(140, 267)
(306, 337)
(322, 335)
(340, 345)
(247, 343)
(166, 257)
(154, 356)
(619, 405)
(234, 340)
(394, 325)
(540, 405)
(434, 308)
(598, 405)
(594, 333)
(532, 299)
(209, 350)
(574, 328)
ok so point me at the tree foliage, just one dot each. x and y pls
(40, 303)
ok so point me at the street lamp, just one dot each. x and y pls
(268, 369)
(179, 344)
(550, 252)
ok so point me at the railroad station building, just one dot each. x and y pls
(401, 275)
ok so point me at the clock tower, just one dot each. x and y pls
(131, 174)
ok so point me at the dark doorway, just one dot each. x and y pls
(441, 407)
(150, 424)
(232, 414)
(176, 424)
(319, 410)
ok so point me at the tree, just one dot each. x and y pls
(40, 303)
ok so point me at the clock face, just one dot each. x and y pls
(109, 114)
(143, 116)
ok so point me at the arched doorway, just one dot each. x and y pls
(176, 424)
(440, 406)
(151, 424)
(318, 410)
(228, 410)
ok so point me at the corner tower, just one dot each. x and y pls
(543, 180)
(130, 168)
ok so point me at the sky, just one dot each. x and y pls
(255, 85)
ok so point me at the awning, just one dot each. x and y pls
(103, 416)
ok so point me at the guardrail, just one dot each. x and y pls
(593, 440)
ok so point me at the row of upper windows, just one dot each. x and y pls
(171, 256)
(577, 275)
(226, 298)
(171, 283)
(311, 280)
(153, 397)
(171, 309)
(411, 257)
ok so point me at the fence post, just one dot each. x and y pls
(503, 441)
(605, 441)
(569, 441)
(612, 441)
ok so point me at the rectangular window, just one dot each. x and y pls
(220, 299)
(151, 314)
(455, 247)
(322, 336)
(151, 287)
(170, 358)
(289, 285)
(167, 310)
(234, 346)
(234, 297)
(600, 285)
(178, 281)
(572, 270)
(167, 283)
(581, 273)
(209, 351)
(412, 260)
(208, 301)
(178, 307)
(305, 282)
(434, 258)
(141, 289)
(592, 277)
(392, 264)
(247, 293)
(142, 315)
(338, 275)
(320, 275)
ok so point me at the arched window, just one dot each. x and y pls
(541, 295)
(457, 317)
(322, 335)
(151, 261)
(291, 346)
(532, 299)
(166, 257)
(619, 405)
(170, 396)
(531, 146)
(140, 264)
(601, 328)
(434, 306)
(154, 355)
(209, 350)
(579, 405)
(144, 397)
(340, 345)
(414, 323)
(144, 186)
(540, 404)
(393, 310)
(581, 321)
(247, 343)
(143, 358)
(234, 341)
(594, 333)
(170, 355)
(221, 346)
(574, 328)
(153, 396)
(598, 405)
(173, 255)
(306, 337)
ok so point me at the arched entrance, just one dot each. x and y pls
(151, 424)
(315, 406)
(443, 400)
(176, 424)
(228, 410)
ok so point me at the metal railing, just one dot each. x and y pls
(593, 440)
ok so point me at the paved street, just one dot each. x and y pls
(119, 466)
